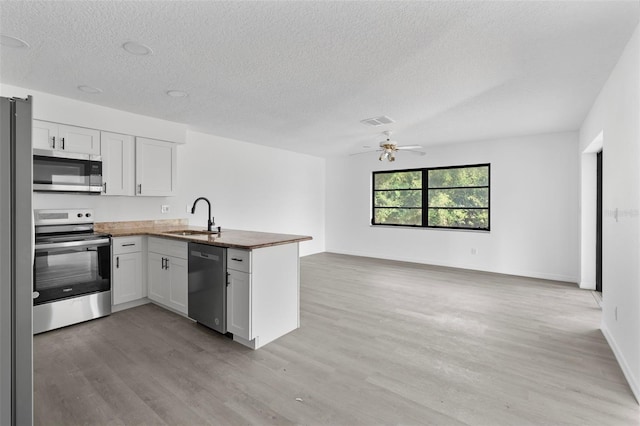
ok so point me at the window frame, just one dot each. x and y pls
(425, 197)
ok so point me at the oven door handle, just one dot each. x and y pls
(87, 243)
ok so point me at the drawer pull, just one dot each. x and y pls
(236, 259)
(128, 244)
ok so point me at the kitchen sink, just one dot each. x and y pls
(186, 232)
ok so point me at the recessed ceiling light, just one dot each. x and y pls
(89, 89)
(177, 93)
(137, 48)
(9, 41)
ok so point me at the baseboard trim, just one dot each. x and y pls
(528, 274)
(588, 285)
(633, 384)
(129, 305)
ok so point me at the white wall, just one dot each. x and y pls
(64, 110)
(616, 113)
(534, 209)
(250, 186)
(253, 187)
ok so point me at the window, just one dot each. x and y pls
(397, 198)
(443, 197)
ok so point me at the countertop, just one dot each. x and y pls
(233, 238)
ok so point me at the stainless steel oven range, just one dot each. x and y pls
(72, 269)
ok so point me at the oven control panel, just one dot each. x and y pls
(62, 216)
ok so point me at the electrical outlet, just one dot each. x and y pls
(474, 251)
(188, 209)
(164, 208)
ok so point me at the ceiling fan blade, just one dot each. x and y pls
(415, 152)
(409, 147)
(366, 152)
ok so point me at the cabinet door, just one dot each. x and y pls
(127, 277)
(79, 139)
(118, 157)
(239, 304)
(45, 135)
(157, 278)
(178, 270)
(156, 163)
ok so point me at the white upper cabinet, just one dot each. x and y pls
(118, 162)
(156, 167)
(47, 135)
(79, 139)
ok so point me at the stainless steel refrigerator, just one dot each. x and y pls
(16, 262)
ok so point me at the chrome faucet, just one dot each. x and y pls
(209, 218)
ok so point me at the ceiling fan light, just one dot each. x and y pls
(383, 155)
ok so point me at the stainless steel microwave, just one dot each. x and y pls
(66, 172)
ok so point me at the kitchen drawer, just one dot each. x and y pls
(123, 245)
(239, 260)
(168, 247)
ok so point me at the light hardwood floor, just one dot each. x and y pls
(381, 342)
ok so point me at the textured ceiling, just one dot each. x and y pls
(301, 75)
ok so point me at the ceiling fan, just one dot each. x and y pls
(388, 148)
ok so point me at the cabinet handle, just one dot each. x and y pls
(105, 187)
(163, 259)
(53, 138)
(62, 143)
(228, 279)
(139, 188)
(236, 259)
(128, 244)
(167, 263)
(117, 261)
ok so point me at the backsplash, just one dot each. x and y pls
(137, 224)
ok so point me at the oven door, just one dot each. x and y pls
(71, 268)
(66, 172)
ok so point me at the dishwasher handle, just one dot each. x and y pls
(207, 256)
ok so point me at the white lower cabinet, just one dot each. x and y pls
(263, 285)
(168, 273)
(178, 288)
(157, 278)
(128, 270)
(239, 304)
(262, 293)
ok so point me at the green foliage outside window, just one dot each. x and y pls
(398, 198)
(453, 197)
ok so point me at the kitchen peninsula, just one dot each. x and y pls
(150, 261)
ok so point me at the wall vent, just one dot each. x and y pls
(377, 121)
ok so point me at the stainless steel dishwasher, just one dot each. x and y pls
(207, 301)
